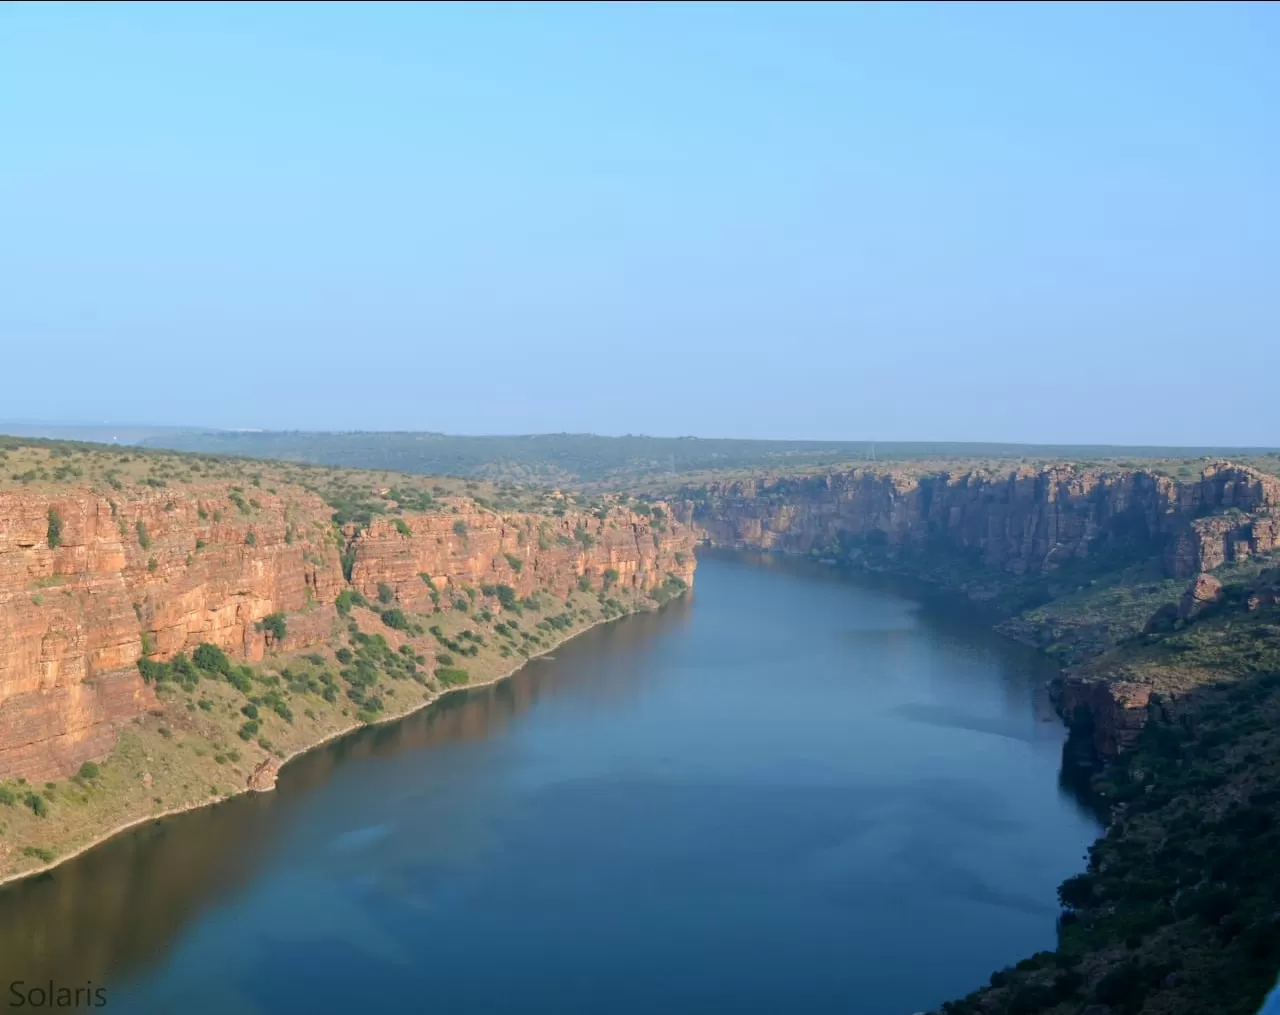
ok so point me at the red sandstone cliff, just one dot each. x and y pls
(163, 570)
(1028, 520)
(527, 552)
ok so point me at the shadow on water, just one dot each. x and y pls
(119, 907)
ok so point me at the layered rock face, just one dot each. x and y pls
(526, 552)
(160, 571)
(1028, 520)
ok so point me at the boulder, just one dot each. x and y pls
(263, 777)
(1204, 590)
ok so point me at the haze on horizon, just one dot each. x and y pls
(1043, 224)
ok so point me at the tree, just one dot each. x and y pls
(54, 534)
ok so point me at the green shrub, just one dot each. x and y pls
(275, 625)
(444, 659)
(386, 594)
(54, 533)
(348, 598)
(144, 537)
(153, 672)
(460, 529)
(584, 584)
(507, 597)
(249, 730)
(451, 676)
(402, 527)
(517, 565)
(250, 711)
(40, 853)
(89, 771)
(211, 659)
(7, 796)
(36, 802)
(251, 538)
(395, 618)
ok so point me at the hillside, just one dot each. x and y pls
(171, 626)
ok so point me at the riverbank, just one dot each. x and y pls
(1176, 910)
(162, 749)
(651, 777)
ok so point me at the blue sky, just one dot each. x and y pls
(1041, 223)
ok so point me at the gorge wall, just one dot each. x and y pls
(90, 583)
(1027, 522)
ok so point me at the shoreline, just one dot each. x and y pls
(110, 834)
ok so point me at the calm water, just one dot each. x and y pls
(792, 792)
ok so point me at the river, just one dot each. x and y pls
(791, 791)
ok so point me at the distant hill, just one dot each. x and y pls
(96, 433)
(591, 459)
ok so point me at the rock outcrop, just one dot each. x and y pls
(89, 583)
(1204, 591)
(1109, 711)
(263, 777)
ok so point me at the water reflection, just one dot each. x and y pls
(777, 795)
(118, 907)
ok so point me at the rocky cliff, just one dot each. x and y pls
(1025, 521)
(89, 583)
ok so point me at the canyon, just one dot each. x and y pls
(155, 572)
(984, 533)
(93, 580)
(1030, 519)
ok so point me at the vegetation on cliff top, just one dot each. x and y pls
(575, 459)
(356, 495)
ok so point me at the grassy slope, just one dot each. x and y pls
(191, 750)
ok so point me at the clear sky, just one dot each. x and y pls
(1040, 223)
